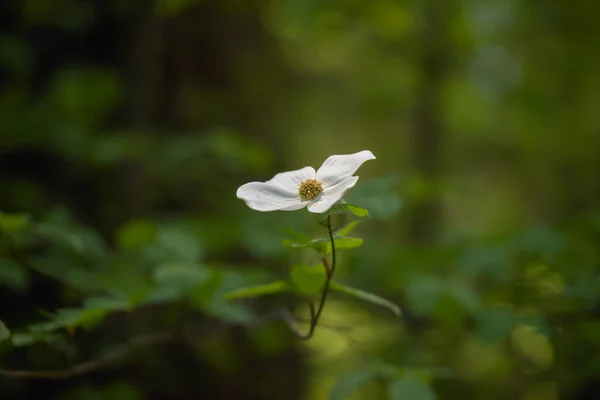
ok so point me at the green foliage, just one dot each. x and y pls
(258, 290)
(408, 388)
(366, 296)
(308, 279)
(323, 245)
(350, 382)
(13, 276)
(340, 208)
(11, 224)
(120, 162)
(4, 332)
(378, 196)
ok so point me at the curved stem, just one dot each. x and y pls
(329, 270)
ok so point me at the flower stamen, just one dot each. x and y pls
(309, 189)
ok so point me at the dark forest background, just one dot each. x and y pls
(126, 127)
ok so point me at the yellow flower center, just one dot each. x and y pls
(309, 189)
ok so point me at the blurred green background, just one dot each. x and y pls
(126, 127)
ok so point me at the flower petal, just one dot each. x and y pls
(331, 195)
(337, 168)
(278, 193)
(293, 179)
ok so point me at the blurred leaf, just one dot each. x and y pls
(495, 324)
(366, 296)
(378, 196)
(349, 383)
(83, 96)
(23, 339)
(4, 332)
(181, 276)
(180, 243)
(13, 276)
(77, 278)
(346, 230)
(79, 239)
(533, 345)
(136, 233)
(237, 151)
(407, 388)
(298, 236)
(86, 318)
(13, 223)
(258, 290)
(308, 279)
(423, 294)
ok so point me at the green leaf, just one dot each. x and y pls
(358, 211)
(13, 276)
(340, 208)
(136, 233)
(495, 324)
(346, 230)
(13, 223)
(23, 339)
(349, 383)
(107, 303)
(366, 296)
(258, 290)
(324, 244)
(423, 294)
(181, 276)
(4, 332)
(298, 236)
(343, 243)
(180, 243)
(408, 388)
(308, 279)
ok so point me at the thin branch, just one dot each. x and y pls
(113, 356)
(329, 270)
(145, 340)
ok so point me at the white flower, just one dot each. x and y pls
(293, 190)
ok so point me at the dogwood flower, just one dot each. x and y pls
(305, 187)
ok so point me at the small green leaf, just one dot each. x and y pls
(13, 223)
(340, 208)
(366, 296)
(324, 244)
(343, 243)
(349, 383)
(408, 388)
(346, 230)
(4, 332)
(358, 211)
(308, 279)
(258, 290)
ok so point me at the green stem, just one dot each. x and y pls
(329, 270)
